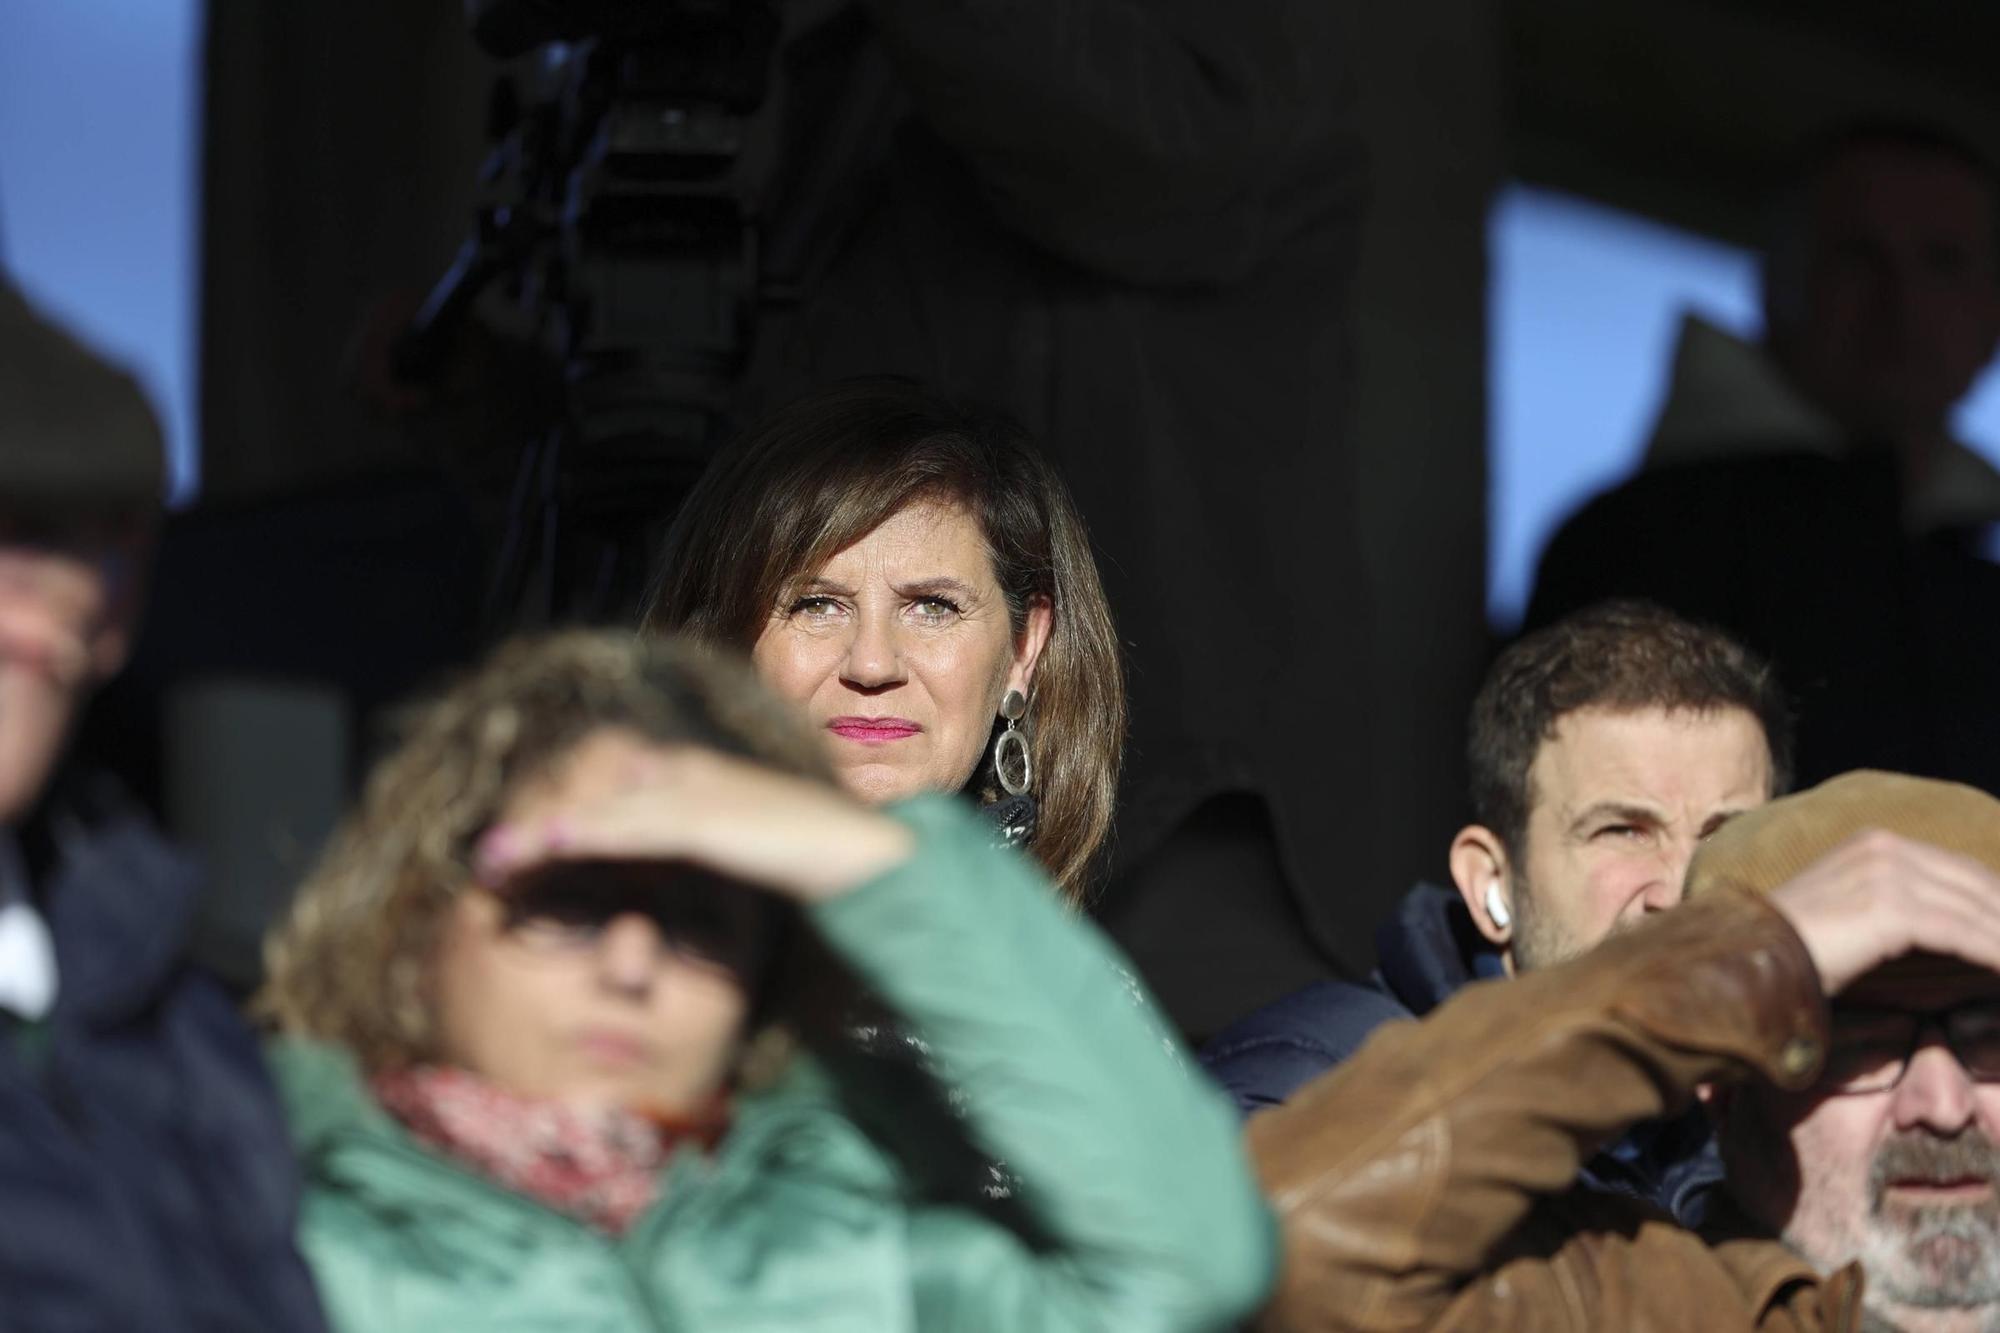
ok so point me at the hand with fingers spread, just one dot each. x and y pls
(800, 839)
(1879, 896)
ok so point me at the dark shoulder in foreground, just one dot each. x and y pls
(1263, 1058)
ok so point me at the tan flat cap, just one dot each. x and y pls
(1762, 848)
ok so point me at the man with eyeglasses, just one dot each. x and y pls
(1830, 992)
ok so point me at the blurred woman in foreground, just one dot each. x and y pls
(530, 993)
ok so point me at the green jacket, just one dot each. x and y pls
(1138, 1211)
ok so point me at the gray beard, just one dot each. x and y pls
(1935, 1258)
(1936, 1267)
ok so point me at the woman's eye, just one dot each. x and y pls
(815, 607)
(1620, 832)
(934, 608)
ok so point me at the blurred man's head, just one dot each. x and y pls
(1882, 279)
(1603, 748)
(80, 481)
(1891, 1157)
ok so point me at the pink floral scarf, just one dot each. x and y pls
(599, 1165)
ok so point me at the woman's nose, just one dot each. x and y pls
(875, 654)
(628, 953)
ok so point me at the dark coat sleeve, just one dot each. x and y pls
(1165, 143)
(1264, 1058)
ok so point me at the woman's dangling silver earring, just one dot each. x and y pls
(1010, 747)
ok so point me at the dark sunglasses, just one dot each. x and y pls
(698, 915)
(1871, 1048)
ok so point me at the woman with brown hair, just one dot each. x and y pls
(914, 575)
(523, 995)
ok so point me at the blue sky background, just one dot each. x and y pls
(1584, 305)
(99, 176)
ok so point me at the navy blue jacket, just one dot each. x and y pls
(1428, 951)
(146, 1180)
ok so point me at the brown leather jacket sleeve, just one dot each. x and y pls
(1403, 1174)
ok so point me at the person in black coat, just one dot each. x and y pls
(146, 1180)
(1803, 491)
(1133, 228)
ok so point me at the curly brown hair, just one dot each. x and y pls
(352, 963)
(831, 467)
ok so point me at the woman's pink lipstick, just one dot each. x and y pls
(873, 730)
(609, 1046)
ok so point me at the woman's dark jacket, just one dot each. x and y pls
(146, 1177)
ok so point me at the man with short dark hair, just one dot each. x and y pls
(1831, 991)
(1803, 490)
(1602, 750)
(146, 1179)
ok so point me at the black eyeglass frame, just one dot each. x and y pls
(1923, 1023)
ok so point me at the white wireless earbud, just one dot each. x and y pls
(1496, 908)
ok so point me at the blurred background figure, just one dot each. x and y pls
(559, 950)
(143, 1166)
(1881, 307)
(1806, 491)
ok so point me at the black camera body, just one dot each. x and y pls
(622, 219)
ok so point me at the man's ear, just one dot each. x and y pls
(1480, 869)
(124, 565)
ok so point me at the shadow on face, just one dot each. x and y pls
(600, 983)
